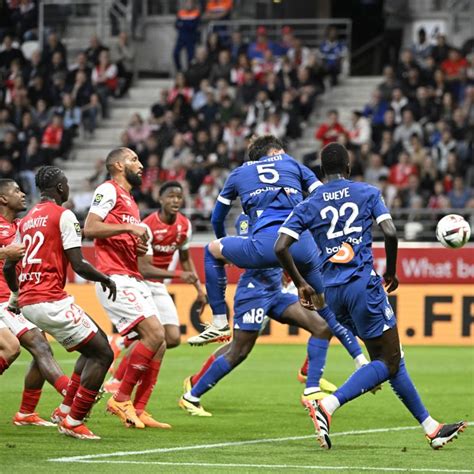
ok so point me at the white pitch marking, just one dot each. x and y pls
(223, 445)
(277, 466)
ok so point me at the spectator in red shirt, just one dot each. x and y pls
(52, 138)
(454, 65)
(331, 130)
(400, 172)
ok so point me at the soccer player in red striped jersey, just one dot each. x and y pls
(52, 236)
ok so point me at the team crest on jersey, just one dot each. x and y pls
(4, 233)
(244, 227)
(98, 198)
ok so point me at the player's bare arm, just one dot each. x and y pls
(148, 270)
(84, 269)
(96, 228)
(188, 266)
(13, 252)
(391, 248)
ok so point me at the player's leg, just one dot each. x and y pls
(9, 348)
(241, 345)
(167, 314)
(113, 384)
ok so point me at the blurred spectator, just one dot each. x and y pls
(257, 49)
(299, 55)
(105, 80)
(389, 83)
(10, 148)
(398, 103)
(375, 169)
(200, 67)
(441, 151)
(177, 155)
(187, 26)
(206, 198)
(275, 124)
(180, 88)
(333, 51)
(259, 110)
(218, 10)
(453, 65)
(360, 131)
(237, 46)
(421, 48)
(52, 141)
(151, 174)
(459, 195)
(25, 19)
(331, 130)
(94, 50)
(438, 199)
(376, 108)
(9, 53)
(406, 130)
(54, 45)
(31, 159)
(400, 172)
(123, 55)
(441, 49)
(138, 131)
(222, 69)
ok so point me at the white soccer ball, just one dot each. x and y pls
(453, 231)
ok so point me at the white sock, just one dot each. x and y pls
(72, 422)
(360, 361)
(330, 404)
(64, 408)
(430, 425)
(190, 398)
(310, 390)
(219, 320)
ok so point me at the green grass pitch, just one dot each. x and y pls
(259, 401)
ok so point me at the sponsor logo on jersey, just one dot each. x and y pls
(130, 219)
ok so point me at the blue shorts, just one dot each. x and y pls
(251, 305)
(362, 305)
(257, 252)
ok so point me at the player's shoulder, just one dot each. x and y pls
(150, 219)
(365, 188)
(107, 188)
(182, 220)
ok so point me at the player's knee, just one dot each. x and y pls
(214, 248)
(393, 363)
(172, 341)
(236, 356)
(10, 349)
(106, 355)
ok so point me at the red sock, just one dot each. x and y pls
(61, 384)
(146, 386)
(82, 403)
(29, 401)
(195, 378)
(120, 372)
(72, 387)
(3, 365)
(304, 367)
(138, 363)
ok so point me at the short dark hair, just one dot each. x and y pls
(169, 184)
(260, 146)
(4, 183)
(334, 158)
(48, 177)
(115, 155)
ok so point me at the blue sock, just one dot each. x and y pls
(219, 369)
(345, 336)
(362, 380)
(403, 386)
(216, 282)
(317, 351)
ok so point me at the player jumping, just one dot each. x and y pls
(52, 236)
(114, 222)
(44, 366)
(339, 215)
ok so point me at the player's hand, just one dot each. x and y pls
(142, 247)
(138, 231)
(13, 303)
(306, 294)
(188, 277)
(391, 282)
(14, 252)
(110, 284)
(201, 298)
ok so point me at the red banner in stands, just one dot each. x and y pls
(416, 264)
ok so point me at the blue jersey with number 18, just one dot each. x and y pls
(340, 215)
(269, 189)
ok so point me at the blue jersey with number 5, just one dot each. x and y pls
(340, 215)
(269, 189)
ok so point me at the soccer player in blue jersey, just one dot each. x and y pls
(339, 215)
(270, 185)
(259, 293)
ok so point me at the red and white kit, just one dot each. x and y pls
(17, 324)
(165, 241)
(116, 256)
(47, 231)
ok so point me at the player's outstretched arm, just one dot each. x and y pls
(95, 228)
(9, 272)
(148, 270)
(84, 269)
(12, 252)
(188, 265)
(218, 216)
(391, 249)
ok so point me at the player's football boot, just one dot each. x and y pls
(57, 416)
(126, 412)
(445, 434)
(321, 420)
(188, 384)
(324, 384)
(150, 422)
(80, 431)
(211, 334)
(31, 419)
(193, 408)
(319, 395)
(112, 386)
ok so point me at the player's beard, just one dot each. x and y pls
(133, 178)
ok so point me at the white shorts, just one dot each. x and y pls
(64, 320)
(167, 312)
(17, 323)
(2, 324)
(133, 304)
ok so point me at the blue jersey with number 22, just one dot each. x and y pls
(339, 215)
(269, 189)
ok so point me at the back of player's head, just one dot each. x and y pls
(334, 158)
(115, 156)
(48, 177)
(5, 183)
(261, 146)
(168, 185)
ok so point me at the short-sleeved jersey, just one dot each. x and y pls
(255, 281)
(166, 239)
(7, 236)
(340, 215)
(47, 231)
(269, 188)
(116, 255)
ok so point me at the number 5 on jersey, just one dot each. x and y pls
(267, 173)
